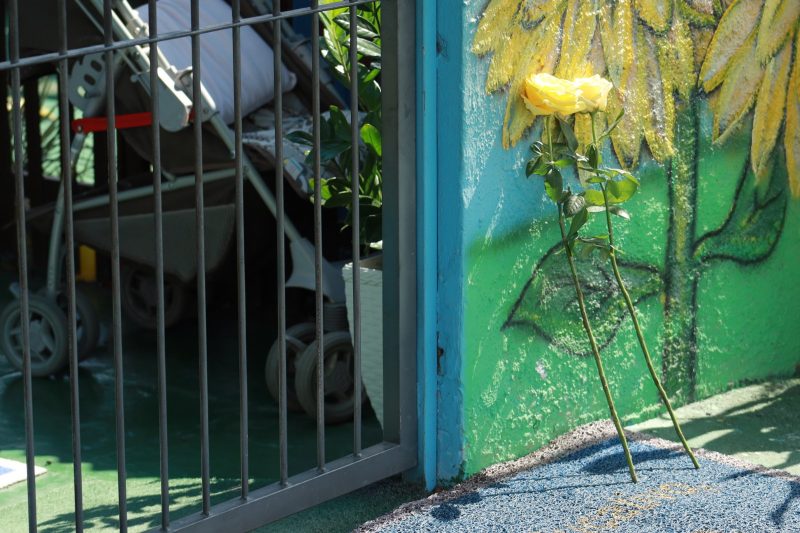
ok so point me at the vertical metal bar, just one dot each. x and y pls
(111, 151)
(277, 48)
(315, 104)
(399, 223)
(202, 336)
(163, 434)
(356, 215)
(240, 270)
(72, 326)
(22, 257)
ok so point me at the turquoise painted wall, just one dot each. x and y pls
(513, 371)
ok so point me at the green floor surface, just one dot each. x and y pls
(53, 434)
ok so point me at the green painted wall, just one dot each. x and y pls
(525, 371)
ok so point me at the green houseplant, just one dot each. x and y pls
(340, 184)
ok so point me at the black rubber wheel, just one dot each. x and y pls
(88, 325)
(298, 337)
(140, 297)
(48, 335)
(338, 377)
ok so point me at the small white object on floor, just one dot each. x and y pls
(13, 472)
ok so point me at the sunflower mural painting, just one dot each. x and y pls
(711, 96)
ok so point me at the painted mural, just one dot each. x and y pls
(711, 94)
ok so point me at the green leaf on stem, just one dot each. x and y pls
(580, 218)
(617, 210)
(569, 134)
(554, 184)
(594, 197)
(537, 166)
(593, 157)
(621, 191)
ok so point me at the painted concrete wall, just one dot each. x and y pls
(711, 253)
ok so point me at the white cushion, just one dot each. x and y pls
(216, 55)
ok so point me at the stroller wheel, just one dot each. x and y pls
(88, 325)
(140, 297)
(298, 338)
(338, 376)
(48, 335)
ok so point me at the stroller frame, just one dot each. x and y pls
(301, 250)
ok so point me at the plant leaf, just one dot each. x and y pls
(754, 224)
(554, 185)
(372, 138)
(548, 304)
(621, 191)
(569, 134)
(594, 197)
(580, 218)
(617, 210)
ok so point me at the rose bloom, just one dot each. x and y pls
(545, 94)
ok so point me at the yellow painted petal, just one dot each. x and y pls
(494, 26)
(791, 138)
(655, 13)
(541, 56)
(517, 118)
(676, 58)
(507, 61)
(738, 92)
(770, 105)
(779, 20)
(616, 33)
(627, 137)
(579, 24)
(657, 126)
(698, 12)
(736, 25)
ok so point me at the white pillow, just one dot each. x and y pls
(216, 55)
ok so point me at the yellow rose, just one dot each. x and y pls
(545, 94)
(594, 91)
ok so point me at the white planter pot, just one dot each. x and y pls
(371, 326)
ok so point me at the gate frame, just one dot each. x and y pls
(398, 451)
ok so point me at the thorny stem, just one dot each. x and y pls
(595, 349)
(588, 327)
(634, 318)
(632, 311)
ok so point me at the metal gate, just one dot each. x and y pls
(126, 44)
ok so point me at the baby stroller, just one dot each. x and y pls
(131, 69)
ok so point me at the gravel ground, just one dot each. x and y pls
(579, 483)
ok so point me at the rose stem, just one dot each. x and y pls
(587, 326)
(632, 311)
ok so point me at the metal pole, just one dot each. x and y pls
(197, 99)
(22, 256)
(240, 262)
(72, 324)
(111, 150)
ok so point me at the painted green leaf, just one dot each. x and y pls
(755, 221)
(548, 305)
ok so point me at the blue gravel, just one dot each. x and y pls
(590, 491)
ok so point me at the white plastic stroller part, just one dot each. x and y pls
(216, 52)
(127, 20)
